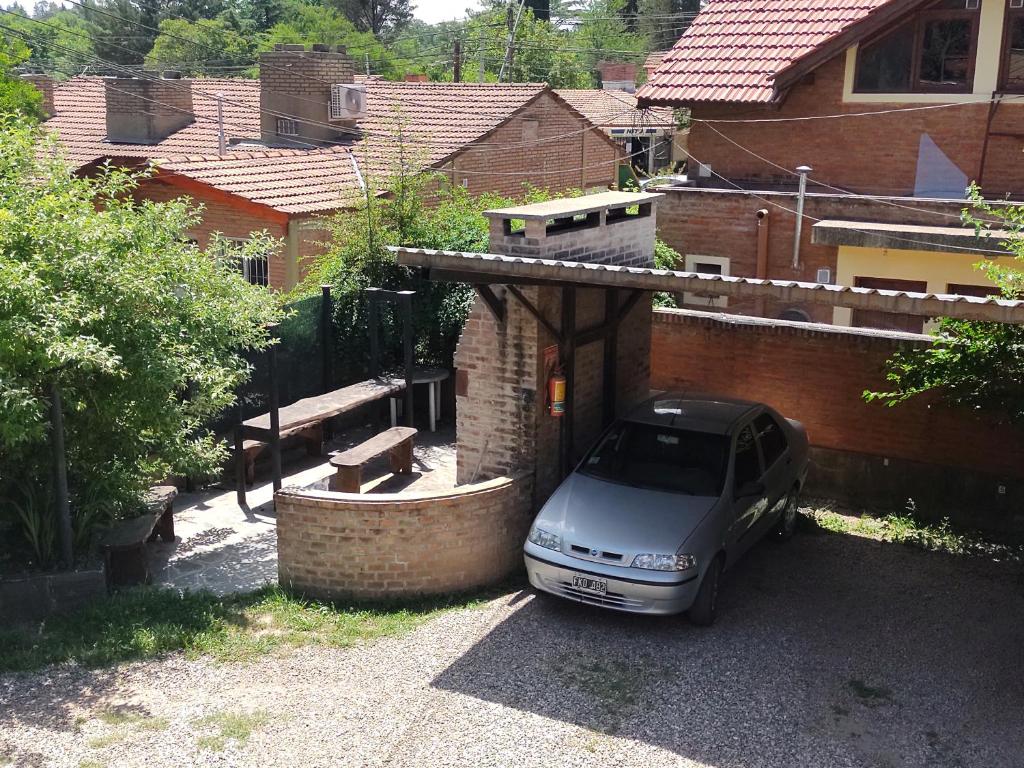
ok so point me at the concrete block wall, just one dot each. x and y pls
(627, 241)
(146, 110)
(296, 83)
(337, 545)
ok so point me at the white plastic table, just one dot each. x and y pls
(432, 377)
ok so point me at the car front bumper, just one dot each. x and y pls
(667, 593)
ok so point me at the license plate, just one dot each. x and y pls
(587, 584)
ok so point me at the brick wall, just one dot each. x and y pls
(228, 219)
(724, 223)
(552, 153)
(817, 374)
(297, 83)
(336, 545)
(875, 154)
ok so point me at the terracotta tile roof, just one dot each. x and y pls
(80, 120)
(440, 118)
(615, 109)
(293, 181)
(652, 61)
(734, 48)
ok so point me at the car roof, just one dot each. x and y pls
(699, 412)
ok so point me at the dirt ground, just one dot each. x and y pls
(830, 650)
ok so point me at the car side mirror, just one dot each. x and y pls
(752, 488)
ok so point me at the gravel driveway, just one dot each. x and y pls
(830, 651)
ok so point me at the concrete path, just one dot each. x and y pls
(225, 548)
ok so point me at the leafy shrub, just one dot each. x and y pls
(141, 330)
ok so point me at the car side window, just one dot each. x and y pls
(771, 437)
(747, 467)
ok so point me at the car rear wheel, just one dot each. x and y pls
(705, 607)
(790, 513)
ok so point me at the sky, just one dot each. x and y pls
(433, 11)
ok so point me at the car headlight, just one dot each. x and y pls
(665, 562)
(545, 539)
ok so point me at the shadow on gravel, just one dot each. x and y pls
(829, 650)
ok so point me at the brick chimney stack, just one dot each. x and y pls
(146, 110)
(295, 94)
(615, 228)
(44, 84)
(617, 75)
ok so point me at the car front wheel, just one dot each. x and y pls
(705, 606)
(788, 518)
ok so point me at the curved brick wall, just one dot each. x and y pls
(335, 545)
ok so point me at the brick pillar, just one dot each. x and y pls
(44, 84)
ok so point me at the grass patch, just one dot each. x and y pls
(234, 726)
(125, 722)
(91, 764)
(145, 622)
(907, 529)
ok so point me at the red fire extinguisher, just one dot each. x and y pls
(556, 393)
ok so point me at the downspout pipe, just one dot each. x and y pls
(803, 170)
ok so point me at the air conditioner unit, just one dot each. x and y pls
(348, 101)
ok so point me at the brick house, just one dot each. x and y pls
(930, 97)
(272, 154)
(646, 135)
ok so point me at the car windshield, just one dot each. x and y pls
(661, 458)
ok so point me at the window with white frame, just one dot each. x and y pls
(706, 265)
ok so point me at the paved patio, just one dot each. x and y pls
(224, 548)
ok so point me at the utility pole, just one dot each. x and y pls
(506, 65)
(367, 64)
(803, 170)
(457, 66)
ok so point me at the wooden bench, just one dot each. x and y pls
(123, 545)
(397, 440)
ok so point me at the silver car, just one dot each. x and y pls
(667, 499)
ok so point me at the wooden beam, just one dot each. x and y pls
(628, 305)
(558, 335)
(493, 303)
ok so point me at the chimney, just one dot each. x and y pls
(617, 76)
(44, 83)
(147, 110)
(417, 78)
(296, 91)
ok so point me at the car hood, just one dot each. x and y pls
(620, 518)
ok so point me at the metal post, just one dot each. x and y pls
(611, 355)
(60, 476)
(374, 321)
(406, 299)
(275, 416)
(327, 336)
(568, 370)
(803, 170)
(221, 140)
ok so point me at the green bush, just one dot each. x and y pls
(141, 330)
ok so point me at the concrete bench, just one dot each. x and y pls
(397, 440)
(123, 545)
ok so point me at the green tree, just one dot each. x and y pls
(309, 24)
(383, 18)
(62, 44)
(17, 97)
(202, 47)
(141, 330)
(974, 364)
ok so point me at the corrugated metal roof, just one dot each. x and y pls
(734, 48)
(496, 267)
